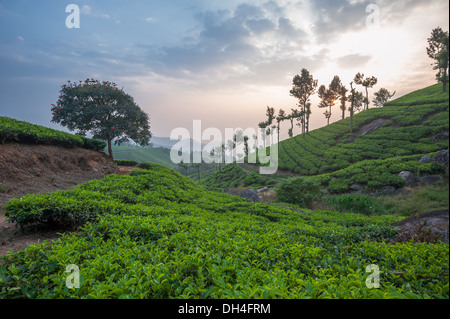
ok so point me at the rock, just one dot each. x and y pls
(441, 158)
(431, 179)
(401, 191)
(261, 190)
(251, 195)
(387, 190)
(440, 136)
(408, 177)
(356, 187)
(425, 159)
(430, 227)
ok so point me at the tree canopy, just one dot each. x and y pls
(103, 110)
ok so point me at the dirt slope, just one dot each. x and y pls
(31, 169)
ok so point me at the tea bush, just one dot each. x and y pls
(12, 130)
(299, 190)
(156, 234)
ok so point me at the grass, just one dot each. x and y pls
(419, 200)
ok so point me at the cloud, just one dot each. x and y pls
(353, 61)
(241, 44)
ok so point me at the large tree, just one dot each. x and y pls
(102, 109)
(329, 96)
(303, 87)
(368, 82)
(438, 50)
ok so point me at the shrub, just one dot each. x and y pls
(126, 162)
(301, 191)
(356, 203)
(339, 185)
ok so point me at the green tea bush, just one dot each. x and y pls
(12, 130)
(177, 240)
(301, 191)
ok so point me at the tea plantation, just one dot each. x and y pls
(156, 234)
(409, 125)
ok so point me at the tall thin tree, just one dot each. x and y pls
(438, 50)
(303, 87)
(368, 82)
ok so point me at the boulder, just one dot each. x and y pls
(356, 187)
(425, 159)
(261, 190)
(249, 194)
(441, 158)
(430, 179)
(408, 177)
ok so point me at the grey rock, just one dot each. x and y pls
(400, 191)
(251, 195)
(388, 190)
(441, 158)
(431, 179)
(425, 159)
(356, 187)
(440, 136)
(408, 177)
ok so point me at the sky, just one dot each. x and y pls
(221, 62)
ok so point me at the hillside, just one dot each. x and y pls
(156, 234)
(417, 123)
(158, 155)
(36, 159)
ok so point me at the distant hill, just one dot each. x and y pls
(166, 142)
(156, 155)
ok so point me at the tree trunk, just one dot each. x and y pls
(307, 125)
(110, 149)
(351, 108)
(445, 81)
(367, 98)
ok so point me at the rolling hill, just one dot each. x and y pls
(158, 155)
(385, 142)
(416, 123)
